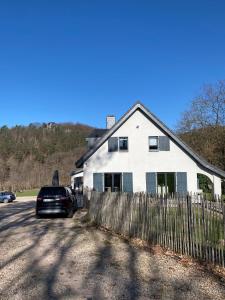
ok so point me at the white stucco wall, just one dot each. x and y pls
(139, 160)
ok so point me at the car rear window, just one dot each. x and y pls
(52, 191)
(8, 193)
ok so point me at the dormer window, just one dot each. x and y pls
(123, 143)
(153, 143)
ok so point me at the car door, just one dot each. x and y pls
(6, 196)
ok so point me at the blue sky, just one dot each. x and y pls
(81, 60)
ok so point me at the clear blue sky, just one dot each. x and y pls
(81, 60)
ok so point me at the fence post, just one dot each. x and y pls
(223, 246)
(189, 221)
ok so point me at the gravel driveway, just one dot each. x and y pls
(59, 258)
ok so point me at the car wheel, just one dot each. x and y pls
(6, 200)
(70, 214)
(37, 216)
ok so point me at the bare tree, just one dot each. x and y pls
(202, 126)
(208, 109)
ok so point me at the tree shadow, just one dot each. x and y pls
(33, 273)
(159, 281)
(68, 259)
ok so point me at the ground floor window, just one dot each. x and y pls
(166, 183)
(113, 182)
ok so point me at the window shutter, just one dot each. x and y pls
(182, 182)
(164, 143)
(113, 144)
(128, 182)
(151, 183)
(98, 182)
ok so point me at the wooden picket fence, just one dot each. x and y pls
(186, 224)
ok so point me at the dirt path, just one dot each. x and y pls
(59, 258)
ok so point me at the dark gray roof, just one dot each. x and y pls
(97, 132)
(139, 106)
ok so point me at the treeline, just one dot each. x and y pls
(30, 154)
(202, 125)
(208, 142)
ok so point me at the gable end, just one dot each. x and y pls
(140, 107)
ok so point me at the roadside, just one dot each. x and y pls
(28, 193)
(25, 198)
(59, 258)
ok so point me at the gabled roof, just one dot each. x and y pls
(139, 106)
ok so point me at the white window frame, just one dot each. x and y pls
(123, 138)
(153, 137)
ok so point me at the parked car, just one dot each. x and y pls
(7, 197)
(55, 200)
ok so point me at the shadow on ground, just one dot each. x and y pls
(59, 258)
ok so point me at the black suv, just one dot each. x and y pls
(55, 200)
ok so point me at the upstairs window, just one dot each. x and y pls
(117, 144)
(153, 143)
(113, 144)
(123, 143)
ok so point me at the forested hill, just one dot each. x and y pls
(30, 154)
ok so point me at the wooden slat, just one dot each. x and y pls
(178, 222)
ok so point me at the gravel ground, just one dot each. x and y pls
(59, 258)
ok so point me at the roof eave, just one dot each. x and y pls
(75, 172)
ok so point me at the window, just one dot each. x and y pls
(108, 182)
(153, 143)
(113, 144)
(117, 144)
(52, 191)
(166, 183)
(123, 143)
(112, 182)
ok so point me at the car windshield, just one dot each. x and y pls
(52, 191)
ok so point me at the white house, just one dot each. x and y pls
(139, 153)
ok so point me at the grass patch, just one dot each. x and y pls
(210, 197)
(211, 230)
(27, 193)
